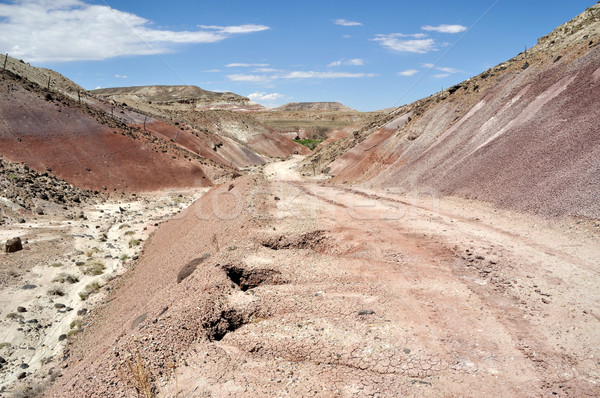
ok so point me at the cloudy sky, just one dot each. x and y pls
(367, 55)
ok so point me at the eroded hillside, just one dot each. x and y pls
(523, 134)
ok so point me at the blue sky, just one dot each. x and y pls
(367, 55)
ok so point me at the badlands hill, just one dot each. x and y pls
(43, 77)
(523, 134)
(102, 145)
(218, 114)
(314, 106)
(163, 95)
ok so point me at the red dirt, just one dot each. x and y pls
(276, 145)
(336, 135)
(356, 294)
(231, 153)
(77, 148)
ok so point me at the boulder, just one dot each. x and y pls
(13, 245)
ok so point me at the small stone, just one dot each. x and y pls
(13, 245)
(366, 312)
(406, 350)
(28, 287)
(21, 221)
(21, 309)
(22, 375)
(59, 305)
(62, 337)
(24, 366)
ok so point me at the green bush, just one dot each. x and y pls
(311, 144)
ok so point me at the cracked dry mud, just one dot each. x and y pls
(331, 291)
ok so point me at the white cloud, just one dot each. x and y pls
(443, 69)
(266, 70)
(212, 70)
(448, 70)
(121, 76)
(350, 62)
(264, 97)
(345, 22)
(394, 42)
(441, 75)
(71, 30)
(408, 72)
(297, 75)
(240, 77)
(235, 30)
(243, 65)
(405, 35)
(324, 75)
(445, 28)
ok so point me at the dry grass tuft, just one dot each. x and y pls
(63, 277)
(95, 267)
(90, 252)
(89, 290)
(137, 377)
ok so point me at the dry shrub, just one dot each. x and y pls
(136, 376)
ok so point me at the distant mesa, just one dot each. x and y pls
(167, 95)
(314, 106)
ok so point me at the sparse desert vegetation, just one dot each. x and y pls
(56, 291)
(89, 289)
(64, 277)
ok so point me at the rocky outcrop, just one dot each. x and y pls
(22, 185)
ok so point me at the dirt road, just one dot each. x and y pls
(334, 291)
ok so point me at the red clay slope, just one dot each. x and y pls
(524, 135)
(56, 135)
(228, 152)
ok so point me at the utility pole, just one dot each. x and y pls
(48, 83)
(5, 59)
(79, 96)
